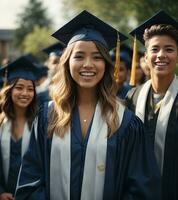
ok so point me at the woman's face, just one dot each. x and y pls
(86, 64)
(22, 93)
(162, 56)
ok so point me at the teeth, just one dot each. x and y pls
(161, 64)
(87, 73)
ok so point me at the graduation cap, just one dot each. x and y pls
(25, 67)
(55, 49)
(86, 26)
(160, 17)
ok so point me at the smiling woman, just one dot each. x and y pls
(87, 144)
(18, 109)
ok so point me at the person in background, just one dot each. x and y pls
(145, 68)
(54, 52)
(124, 72)
(18, 105)
(140, 76)
(5, 61)
(89, 146)
(156, 101)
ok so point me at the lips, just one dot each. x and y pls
(87, 74)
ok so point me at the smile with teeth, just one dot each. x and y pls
(161, 64)
(88, 74)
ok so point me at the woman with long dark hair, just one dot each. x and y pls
(89, 145)
(18, 108)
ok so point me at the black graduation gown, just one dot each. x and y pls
(170, 166)
(131, 170)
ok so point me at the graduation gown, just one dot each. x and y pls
(170, 163)
(10, 157)
(130, 172)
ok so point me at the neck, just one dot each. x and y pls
(161, 85)
(20, 113)
(86, 97)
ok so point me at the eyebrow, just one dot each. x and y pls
(82, 52)
(21, 84)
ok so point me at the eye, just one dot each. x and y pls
(154, 49)
(30, 89)
(18, 87)
(98, 57)
(170, 50)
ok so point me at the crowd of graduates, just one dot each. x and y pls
(97, 120)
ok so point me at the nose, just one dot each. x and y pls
(161, 54)
(25, 92)
(88, 62)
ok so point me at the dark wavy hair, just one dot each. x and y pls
(6, 104)
(160, 29)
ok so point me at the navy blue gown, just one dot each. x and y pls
(14, 166)
(131, 170)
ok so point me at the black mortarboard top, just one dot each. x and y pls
(160, 17)
(26, 67)
(86, 26)
(56, 49)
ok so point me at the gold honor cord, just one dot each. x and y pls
(117, 62)
(134, 63)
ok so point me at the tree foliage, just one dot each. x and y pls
(124, 15)
(33, 14)
(37, 40)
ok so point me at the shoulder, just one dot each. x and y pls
(132, 96)
(131, 125)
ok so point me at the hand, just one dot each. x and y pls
(6, 196)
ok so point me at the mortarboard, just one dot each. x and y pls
(26, 67)
(86, 26)
(160, 17)
(56, 48)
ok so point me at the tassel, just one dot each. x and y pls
(134, 63)
(117, 62)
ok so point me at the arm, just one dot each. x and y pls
(143, 176)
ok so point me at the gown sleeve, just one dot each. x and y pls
(32, 177)
(142, 177)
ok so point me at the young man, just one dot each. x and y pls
(156, 101)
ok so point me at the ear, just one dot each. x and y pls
(145, 57)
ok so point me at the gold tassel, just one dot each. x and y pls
(134, 63)
(117, 62)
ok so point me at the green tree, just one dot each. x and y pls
(124, 15)
(34, 14)
(37, 40)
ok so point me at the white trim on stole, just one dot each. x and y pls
(5, 132)
(163, 116)
(95, 161)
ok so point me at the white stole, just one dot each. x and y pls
(5, 132)
(95, 161)
(163, 116)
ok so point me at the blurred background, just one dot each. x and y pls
(26, 25)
